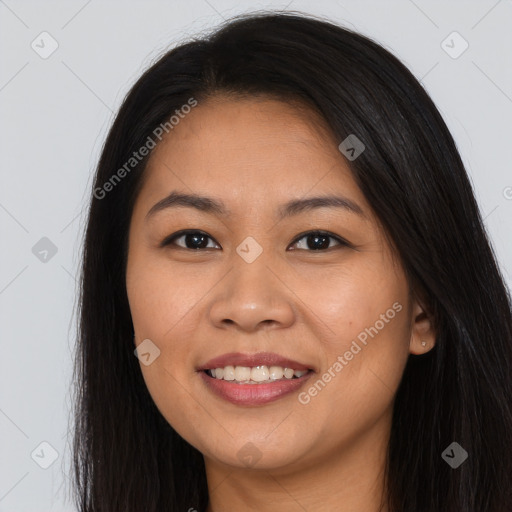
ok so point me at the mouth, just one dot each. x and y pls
(255, 375)
(252, 380)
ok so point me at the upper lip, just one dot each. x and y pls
(251, 360)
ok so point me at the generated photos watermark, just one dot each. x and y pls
(343, 360)
(144, 150)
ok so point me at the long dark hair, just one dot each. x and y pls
(126, 456)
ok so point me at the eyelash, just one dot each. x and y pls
(169, 240)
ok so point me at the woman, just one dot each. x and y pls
(288, 296)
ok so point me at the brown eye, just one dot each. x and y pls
(192, 240)
(319, 240)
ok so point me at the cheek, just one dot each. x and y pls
(164, 304)
(161, 312)
(363, 316)
(347, 299)
(159, 296)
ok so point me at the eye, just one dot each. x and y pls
(193, 239)
(319, 240)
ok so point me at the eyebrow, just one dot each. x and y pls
(217, 207)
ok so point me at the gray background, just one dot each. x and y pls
(55, 114)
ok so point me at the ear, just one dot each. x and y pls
(423, 336)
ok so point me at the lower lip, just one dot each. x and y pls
(253, 394)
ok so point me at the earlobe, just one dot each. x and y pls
(423, 336)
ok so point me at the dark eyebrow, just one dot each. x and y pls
(202, 203)
(216, 206)
(297, 206)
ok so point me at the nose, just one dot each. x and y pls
(253, 296)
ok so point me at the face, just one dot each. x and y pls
(314, 288)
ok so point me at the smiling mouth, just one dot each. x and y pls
(252, 386)
(262, 374)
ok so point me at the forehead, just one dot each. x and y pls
(257, 150)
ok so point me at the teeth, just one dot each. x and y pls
(260, 373)
(256, 374)
(288, 373)
(229, 373)
(276, 372)
(242, 373)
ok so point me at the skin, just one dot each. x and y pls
(309, 305)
